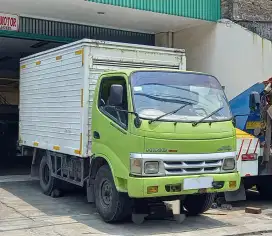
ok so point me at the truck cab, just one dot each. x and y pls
(165, 133)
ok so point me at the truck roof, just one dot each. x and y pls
(130, 71)
(97, 43)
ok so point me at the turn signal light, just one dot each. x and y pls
(137, 162)
(232, 184)
(249, 157)
(152, 189)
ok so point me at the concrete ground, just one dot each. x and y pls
(25, 211)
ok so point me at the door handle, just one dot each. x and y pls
(96, 135)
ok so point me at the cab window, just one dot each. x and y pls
(117, 112)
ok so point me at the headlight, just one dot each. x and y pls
(151, 167)
(136, 166)
(229, 164)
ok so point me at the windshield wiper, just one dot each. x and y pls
(169, 113)
(208, 116)
(166, 98)
(171, 86)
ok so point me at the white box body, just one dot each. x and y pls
(57, 89)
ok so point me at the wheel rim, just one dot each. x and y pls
(46, 174)
(106, 193)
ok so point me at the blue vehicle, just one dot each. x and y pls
(252, 111)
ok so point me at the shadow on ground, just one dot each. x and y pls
(27, 199)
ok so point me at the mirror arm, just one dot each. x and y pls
(137, 120)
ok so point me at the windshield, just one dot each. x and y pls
(156, 93)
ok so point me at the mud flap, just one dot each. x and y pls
(34, 170)
(238, 195)
(90, 191)
(35, 165)
(138, 218)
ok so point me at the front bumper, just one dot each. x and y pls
(137, 187)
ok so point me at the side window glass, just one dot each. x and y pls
(115, 112)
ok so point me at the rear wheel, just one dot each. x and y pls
(47, 182)
(198, 204)
(112, 205)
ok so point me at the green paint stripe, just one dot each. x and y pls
(15, 34)
(199, 9)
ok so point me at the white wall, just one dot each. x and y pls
(236, 56)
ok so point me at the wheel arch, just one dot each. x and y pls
(98, 161)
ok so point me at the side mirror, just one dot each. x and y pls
(254, 100)
(116, 95)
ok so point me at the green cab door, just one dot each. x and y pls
(110, 134)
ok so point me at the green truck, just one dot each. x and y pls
(128, 123)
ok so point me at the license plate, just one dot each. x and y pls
(197, 183)
(253, 125)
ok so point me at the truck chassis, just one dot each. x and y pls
(63, 169)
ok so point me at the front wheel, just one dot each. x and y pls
(112, 205)
(198, 204)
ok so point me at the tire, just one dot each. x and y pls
(110, 204)
(47, 182)
(198, 204)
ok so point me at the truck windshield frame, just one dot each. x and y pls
(159, 92)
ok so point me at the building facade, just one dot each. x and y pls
(116, 20)
(28, 27)
(256, 15)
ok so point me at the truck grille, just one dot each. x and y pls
(192, 167)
